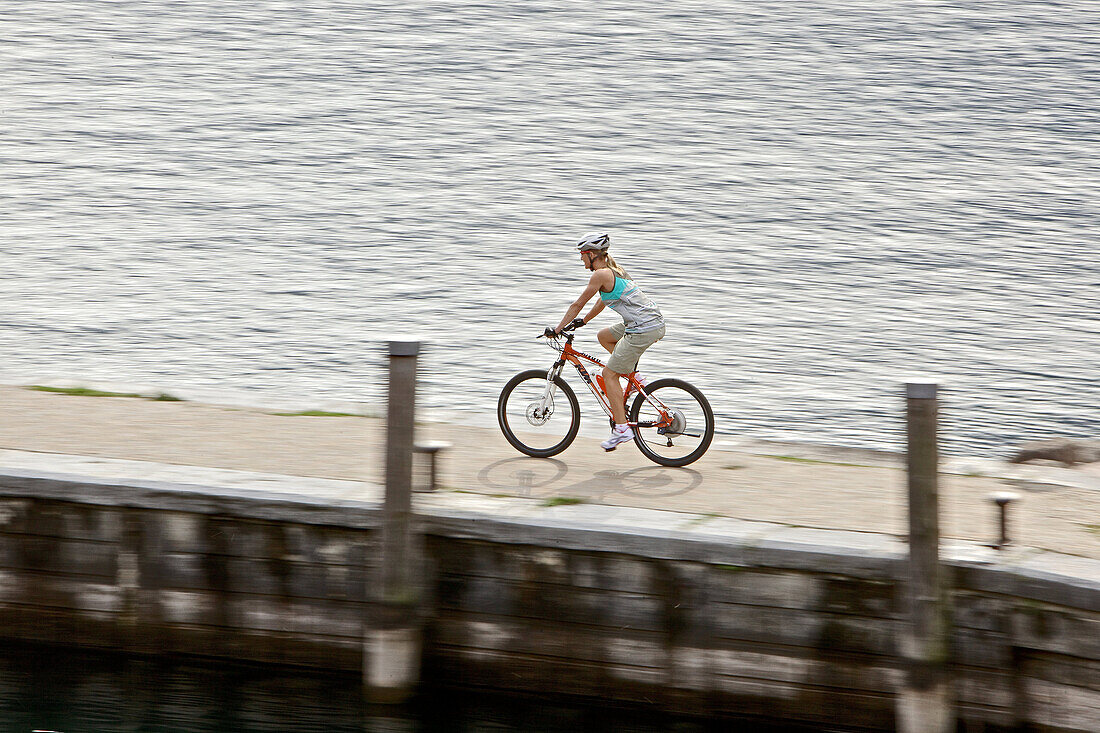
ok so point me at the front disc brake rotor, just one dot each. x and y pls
(537, 415)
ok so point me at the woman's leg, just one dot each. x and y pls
(614, 392)
(612, 388)
(607, 339)
(623, 361)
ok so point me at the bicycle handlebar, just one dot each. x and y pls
(571, 326)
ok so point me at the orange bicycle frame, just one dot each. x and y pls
(596, 386)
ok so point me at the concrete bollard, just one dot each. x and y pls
(925, 702)
(432, 448)
(392, 644)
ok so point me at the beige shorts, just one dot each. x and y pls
(624, 359)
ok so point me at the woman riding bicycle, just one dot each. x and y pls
(642, 326)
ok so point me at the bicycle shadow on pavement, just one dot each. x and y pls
(545, 477)
(520, 476)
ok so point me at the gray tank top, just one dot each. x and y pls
(639, 312)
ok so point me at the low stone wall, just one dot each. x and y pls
(710, 615)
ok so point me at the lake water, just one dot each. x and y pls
(242, 201)
(80, 692)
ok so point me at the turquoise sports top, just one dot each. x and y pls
(639, 312)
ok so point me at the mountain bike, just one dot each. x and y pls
(539, 414)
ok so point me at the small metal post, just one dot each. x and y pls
(1002, 499)
(433, 448)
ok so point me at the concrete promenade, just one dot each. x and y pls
(801, 486)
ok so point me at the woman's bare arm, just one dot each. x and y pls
(595, 310)
(598, 279)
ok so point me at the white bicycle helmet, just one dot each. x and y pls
(594, 243)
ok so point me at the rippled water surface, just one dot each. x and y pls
(824, 197)
(64, 691)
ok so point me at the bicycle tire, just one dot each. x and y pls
(704, 407)
(511, 435)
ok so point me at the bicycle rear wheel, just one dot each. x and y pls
(684, 422)
(532, 426)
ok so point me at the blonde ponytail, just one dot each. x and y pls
(616, 267)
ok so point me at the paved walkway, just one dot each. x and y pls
(833, 489)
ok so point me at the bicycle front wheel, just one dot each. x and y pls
(537, 422)
(682, 423)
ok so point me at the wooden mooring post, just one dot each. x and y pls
(392, 647)
(925, 701)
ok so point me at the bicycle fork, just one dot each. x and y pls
(551, 387)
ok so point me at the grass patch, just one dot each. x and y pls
(695, 521)
(732, 467)
(563, 501)
(1094, 528)
(796, 459)
(317, 413)
(82, 391)
(86, 392)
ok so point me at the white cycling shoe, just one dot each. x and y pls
(617, 436)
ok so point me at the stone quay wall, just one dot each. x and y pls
(714, 616)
